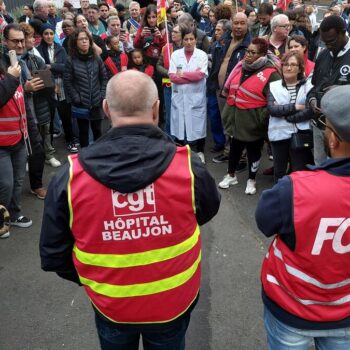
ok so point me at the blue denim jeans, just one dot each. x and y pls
(13, 168)
(214, 116)
(165, 338)
(283, 337)
(167, 102)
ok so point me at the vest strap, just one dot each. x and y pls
(137, 259)
(134, 290)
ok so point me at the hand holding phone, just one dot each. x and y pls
(15, 70)
(13, 58)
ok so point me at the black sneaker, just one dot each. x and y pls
(22, 221)
(71, 148)
(220, 158)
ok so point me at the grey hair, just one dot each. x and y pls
(226, 24)
(185, 18)
(134, 3)
(276, 20)
(130, 93)
(39, 3)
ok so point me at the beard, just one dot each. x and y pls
(326, 147)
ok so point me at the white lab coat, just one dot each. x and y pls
(188, 101)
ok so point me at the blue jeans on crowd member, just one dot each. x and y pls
(214, 116)
(167, 103)
(13, 167)
(165, 338)
(283, 337)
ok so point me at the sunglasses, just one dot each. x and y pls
(320, 123)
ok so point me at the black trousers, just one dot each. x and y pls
(83, 125)
(283, 154)
(253, 155)
(196, 146)
(64, 111)
(36, 166)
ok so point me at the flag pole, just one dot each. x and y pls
(167, 36)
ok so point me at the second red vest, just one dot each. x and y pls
(313, 281)
(13, 122)
(249, 94)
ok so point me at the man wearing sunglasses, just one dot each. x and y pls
(305, 275)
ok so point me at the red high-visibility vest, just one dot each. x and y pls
(13, 121)
(138, 254)
(313, 281)
(249, 94)
(113, 67)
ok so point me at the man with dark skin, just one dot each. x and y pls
(225, 59)
(332, 68)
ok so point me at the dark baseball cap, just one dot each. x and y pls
(335, 106)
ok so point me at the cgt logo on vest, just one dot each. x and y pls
(140, 202)
(340, 227)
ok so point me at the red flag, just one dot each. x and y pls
(161, 11)
(283, 4)
(110, 3)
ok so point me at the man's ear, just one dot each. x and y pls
(155, 111)
(106, 109)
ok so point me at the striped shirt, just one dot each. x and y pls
(292, 89)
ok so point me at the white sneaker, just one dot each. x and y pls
(53, 162)
(251, 187)
(201, 157)
(5, 235)
(228, 181)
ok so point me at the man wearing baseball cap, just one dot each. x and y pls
(305, 275)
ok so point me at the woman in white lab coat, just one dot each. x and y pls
(188, 72)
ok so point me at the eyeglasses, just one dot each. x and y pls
(290, 65)
(320, 123)
(286, 26)
(17, 41)
(250, 52)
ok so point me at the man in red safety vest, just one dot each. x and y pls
(305, 275)
(123, 220)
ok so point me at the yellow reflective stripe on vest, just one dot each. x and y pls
(70, 192)
(192, 178)
(137, 259)
(134, 290)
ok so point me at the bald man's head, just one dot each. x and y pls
(131, 95)
(239, 25)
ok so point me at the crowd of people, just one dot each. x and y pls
(218, 63)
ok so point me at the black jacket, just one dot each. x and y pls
(125, 159)
(33, 131)
(330, 71)
(218, 56)
(85, 81)
(41, 98)
(60, 58)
